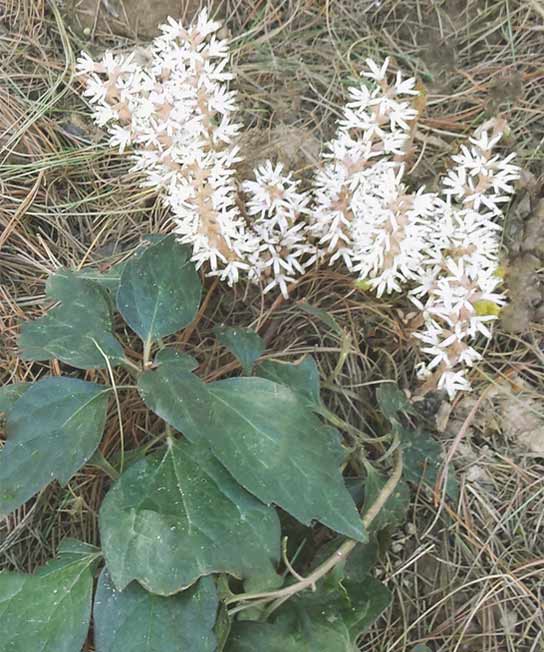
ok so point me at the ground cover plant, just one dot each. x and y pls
(183, 510)
(463, 572)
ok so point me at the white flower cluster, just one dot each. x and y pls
(282, 248)
(176, 114)
(364, 214)
(457, 289)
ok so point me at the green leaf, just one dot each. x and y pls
(246, 345)
(48, 611)
(52, 430)
(138, 621)
(281, 452)
(178, 515)
(393, 513)
(349, 608)
(356, 567)
(10, 393)
(182, 360)
(270, 442)
(323, 316)
(108, 280)
(159, 291)
(249, 636)
(177, 396)
(328, 620)
(302, 378)
(424, 460)
(393, 401)
(78, 331)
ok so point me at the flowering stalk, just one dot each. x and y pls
(457, 289)
(364, 214)
(176, 113)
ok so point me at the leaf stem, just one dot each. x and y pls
(130, 366)
(341, 554)
(335, 420)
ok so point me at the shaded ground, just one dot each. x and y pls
(468, 579)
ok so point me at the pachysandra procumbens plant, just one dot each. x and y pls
(191, 550)
(176, 113)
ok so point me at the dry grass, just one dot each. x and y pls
(470, 579)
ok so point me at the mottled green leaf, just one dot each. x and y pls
(424, 460)
(10, 393)
(159, 291)
(48, 611)
(249, 636)
(178, 515)
(243, 343)
(52, 430)
(281, 452)
(135, 620)
(302, 377)
(78, 331)
(265, 436)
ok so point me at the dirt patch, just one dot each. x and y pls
(511, 411)
(298, 148)
(135, 18)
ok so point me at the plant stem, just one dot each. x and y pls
(100, 462)
(147, 353)
(278, 597)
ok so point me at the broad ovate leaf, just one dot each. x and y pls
(9, 394)
(273, 444)
(266, 437)
(244, 343)
(135, 620)
(52, 430)
(78, 331)
(48, 611)
(159, 291)
(178, 515)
